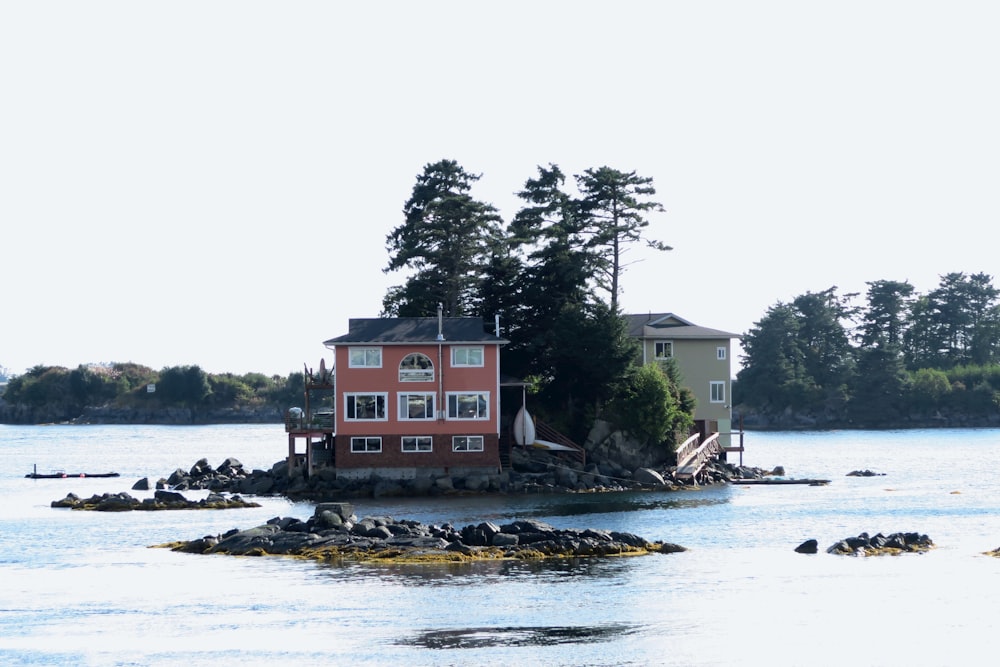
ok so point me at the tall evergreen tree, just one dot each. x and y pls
(774, 377)
(555, 273)
(613, 214)
(824, 340)
(880, 386)
(444, 239)
(884, 320)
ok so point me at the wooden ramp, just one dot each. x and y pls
(693, 454)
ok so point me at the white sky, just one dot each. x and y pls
(211, 183)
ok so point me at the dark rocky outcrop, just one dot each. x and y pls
(879, 544)
(161, 500)
(808, 547)
(333, 533)
(865, 473)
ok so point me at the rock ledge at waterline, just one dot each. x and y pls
(335, 534)
(161, 500)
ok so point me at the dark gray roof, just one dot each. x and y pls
(403, 330)
(668, 325)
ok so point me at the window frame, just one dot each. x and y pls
(713, 385)
(720, 353)
(348, 396)
(468, 440)
(404, 415)
(657, 345)
(429, 442)
(367, 439)
(365, 349)
(482, 400)
(468, 349)
(425, 374)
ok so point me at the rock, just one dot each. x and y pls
(504, 540)
(863, 545)
(141, 485)
(71, 500)
(169, 497)
(865, 473)
(808, 547)
(176, 477)
(230, 465)
(778, 471)
(344, 510)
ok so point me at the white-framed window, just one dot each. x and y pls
(468, 405)
(365, 357)
(366, 445)
(467, 443)
(416, 367)
(720, 353)
(416, 406)
(467, 355)
(365, 407)
(663, 349)
(417, 443)
(717, 392)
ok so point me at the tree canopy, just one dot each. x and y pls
(882, 362)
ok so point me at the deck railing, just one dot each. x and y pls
(546, 432)
(697, 459)
(687, 448)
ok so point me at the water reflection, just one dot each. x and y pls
(611, 503)
(480, 572)
(465, 638)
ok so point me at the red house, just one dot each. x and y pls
(411, 396)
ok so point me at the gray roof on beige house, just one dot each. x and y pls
(668, 325)
(410, 330)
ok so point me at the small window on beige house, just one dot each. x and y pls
(717, 392)
(663, 349)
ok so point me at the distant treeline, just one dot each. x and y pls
(56, 393)
(901, 359)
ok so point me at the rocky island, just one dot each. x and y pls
(334, 534)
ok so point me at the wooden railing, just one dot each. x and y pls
(687, 448)
(692, 464)
(546, 432)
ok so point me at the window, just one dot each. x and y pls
(365, 407)
(416, 406)
(417, 443)
(366, 357)
(468, 406)
(720, 353)
(467, 356)
(467, 443)
(366, 445)
(416, 367)
(663, 349)
(717, 392)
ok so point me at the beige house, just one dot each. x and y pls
(704, 358)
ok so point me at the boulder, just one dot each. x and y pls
(169, 497)
(808, 547)
(141, 485)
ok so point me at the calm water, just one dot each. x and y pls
(83, 588)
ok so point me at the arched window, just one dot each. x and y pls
(416, 367)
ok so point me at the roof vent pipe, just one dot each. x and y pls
(440, 322)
